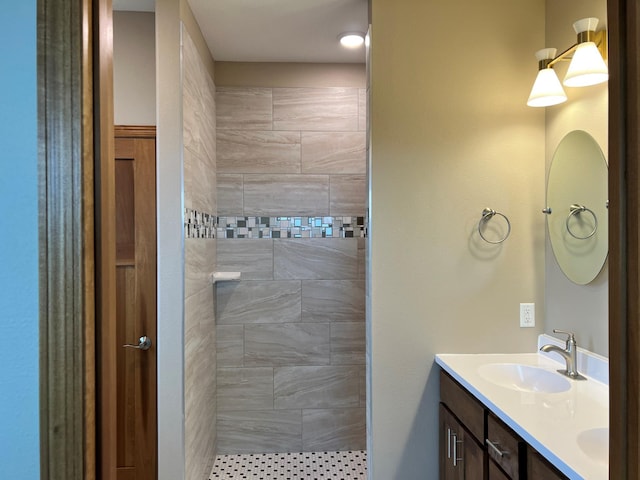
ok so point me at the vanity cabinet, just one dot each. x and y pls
(477, 445)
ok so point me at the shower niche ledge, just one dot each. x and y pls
(217, 277)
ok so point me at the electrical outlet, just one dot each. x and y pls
(527, 314)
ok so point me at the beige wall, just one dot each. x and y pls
(134, 74)
(450, 135)
(582, 309)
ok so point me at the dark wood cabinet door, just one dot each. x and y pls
(473, 459)
(495, 473)
(447, 429)
(461, 457)
(539, 468)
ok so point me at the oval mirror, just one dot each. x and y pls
(577, 199)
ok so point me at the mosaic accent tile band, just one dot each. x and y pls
(291, 227)
(199, 224)
(204, 225)
(291, 466)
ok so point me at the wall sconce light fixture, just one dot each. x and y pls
(587, 65)
(351, 39)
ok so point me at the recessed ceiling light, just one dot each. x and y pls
(351, 39)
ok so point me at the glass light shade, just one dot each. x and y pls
(587, 67)
(351, 40)
(586, 24)
(546, 90)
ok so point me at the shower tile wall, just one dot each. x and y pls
(200, 259)
(291, 334)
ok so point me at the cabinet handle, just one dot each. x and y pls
(494, 446)
(448, 443)
(455, 449)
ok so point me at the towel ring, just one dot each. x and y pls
(488, 214)
(576, 209)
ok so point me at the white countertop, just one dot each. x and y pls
(552, 423)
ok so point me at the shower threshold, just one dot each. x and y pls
(347, 465)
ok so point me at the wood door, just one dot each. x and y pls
(135, 305)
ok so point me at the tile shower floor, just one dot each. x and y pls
(291, 466)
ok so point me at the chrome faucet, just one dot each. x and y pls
(569, 354)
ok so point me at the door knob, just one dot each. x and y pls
(144, 343)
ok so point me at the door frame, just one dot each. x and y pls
(76, 143)
(624, 238)
(76, 195)
(66, 239)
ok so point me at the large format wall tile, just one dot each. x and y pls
(333, 429)
(243, 108)
(260, 431)
(316, 387)
(348, 343)
(333, 152)
(229, 345)
(190, 126)
(362, 110)
(191, 64)
(253, 258)
(348, 195)
(316, 258)
(362, 258)
(287, 344)
(242, 151)
(271, 195)
(297, 315)
(199, 260)
(199, 306)
(199, 337)
(207, 119)
(245, 389)
(199, 380)
(258, 302)
(230, 194)
(332, 301)
(363, 386)
(187, 172)
(202, 177)
(316, 109)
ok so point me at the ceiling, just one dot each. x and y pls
(274, 30)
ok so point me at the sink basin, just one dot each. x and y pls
(524, 378)
(595, 444)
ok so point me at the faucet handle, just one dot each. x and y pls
(571, 338)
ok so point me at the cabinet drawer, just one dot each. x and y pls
(505, 447)
(463, 405)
